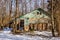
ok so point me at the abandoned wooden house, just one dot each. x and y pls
(35, 20)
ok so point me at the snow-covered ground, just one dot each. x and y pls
(6, 35)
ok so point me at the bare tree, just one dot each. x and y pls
(52, 20)
(35, 4)
(30, 6)
(25, 7)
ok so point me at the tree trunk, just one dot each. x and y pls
(52, 20)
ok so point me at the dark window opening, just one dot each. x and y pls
(37, 13)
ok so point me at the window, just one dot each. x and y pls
(37, 13)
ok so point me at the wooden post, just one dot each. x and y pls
(31, 26)
(40, 26)
(35, 26)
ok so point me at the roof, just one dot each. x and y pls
(32, 14)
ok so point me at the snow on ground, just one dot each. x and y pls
(43, 33)
(6, 35)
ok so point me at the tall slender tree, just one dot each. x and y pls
(52, 20)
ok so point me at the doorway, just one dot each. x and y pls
(21, 24)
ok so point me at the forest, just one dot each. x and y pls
(13, 10)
